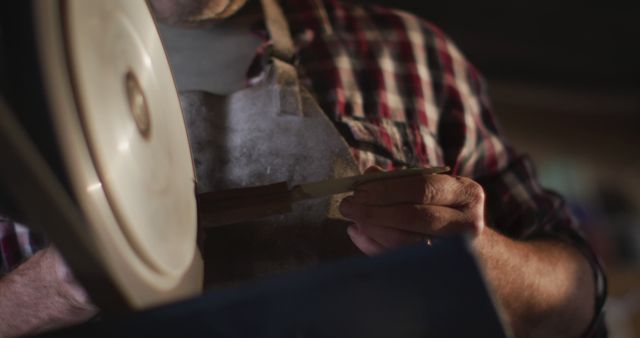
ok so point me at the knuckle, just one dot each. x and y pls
(473, 191)
(429, 191)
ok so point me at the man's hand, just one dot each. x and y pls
(395, 212)
(545, 286)
(41, 294)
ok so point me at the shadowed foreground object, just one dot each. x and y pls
(121, 154)
(417, 292)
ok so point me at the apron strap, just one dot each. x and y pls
(283, 73)
(278, 27)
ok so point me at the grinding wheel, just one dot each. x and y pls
(123, 145)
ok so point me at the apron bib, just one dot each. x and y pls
(269, 133)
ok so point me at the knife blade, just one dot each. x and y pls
(225, 207)
(346, 184)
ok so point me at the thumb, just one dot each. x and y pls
(373, 169)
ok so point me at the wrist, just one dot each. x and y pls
(543, 286)
(37, 297)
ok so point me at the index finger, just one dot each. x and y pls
(441, 190)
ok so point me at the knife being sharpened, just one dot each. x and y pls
(244, 204)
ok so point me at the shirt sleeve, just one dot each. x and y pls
(517, 205)
(17, 243)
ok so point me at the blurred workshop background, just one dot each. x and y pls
(564, 77)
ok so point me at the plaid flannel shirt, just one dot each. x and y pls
(17, 244)
(402, 94)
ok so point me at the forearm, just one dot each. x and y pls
(37, 296)
(546, 287)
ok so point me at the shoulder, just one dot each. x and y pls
(343, 18)
(386, 77)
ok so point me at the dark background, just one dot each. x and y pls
(564, 42)
(564, 77)
(570, 67)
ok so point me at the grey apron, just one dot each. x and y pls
(269, 133)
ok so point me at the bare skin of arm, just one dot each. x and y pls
(545, 287)
(41, 295)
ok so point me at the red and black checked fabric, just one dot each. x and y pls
(16, 244)
(402, 94)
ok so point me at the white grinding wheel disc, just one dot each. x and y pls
(124, 142)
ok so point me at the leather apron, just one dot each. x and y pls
(271, 132)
